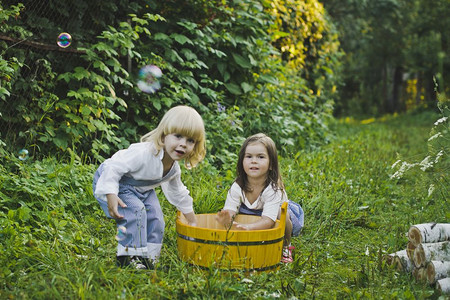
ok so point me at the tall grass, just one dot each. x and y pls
(55, 242)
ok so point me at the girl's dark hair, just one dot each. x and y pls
(274, 175)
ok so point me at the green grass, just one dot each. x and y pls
(55, 242)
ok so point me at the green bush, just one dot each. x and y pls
(228, 54)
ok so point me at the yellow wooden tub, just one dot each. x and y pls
(211, 244)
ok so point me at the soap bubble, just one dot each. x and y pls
(64, 40)
(121, 233)
(149, 79)
(23, 154)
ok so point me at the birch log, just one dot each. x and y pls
(424, 253)
(390, 258)
(443, 285)
(420, 274)
(410, 250)
(437, 270)
(402, 262)
(429, 233)
(399, 260)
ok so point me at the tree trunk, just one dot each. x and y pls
(437, 270)
(419, 88)
(443, 285)
(430, 95)
(388, 106)
(429, 233)
(396, 88)
(424, 253)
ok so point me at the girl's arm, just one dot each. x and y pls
(231, 206)
(263, 223)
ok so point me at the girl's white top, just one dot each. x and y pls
(142, 161)
(269, 201)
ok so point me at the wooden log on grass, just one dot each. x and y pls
(390, 258)
(400, 261)
(443, 285)
(437, 270)
(410, 247)
(403, 263)
(424, 253)
(429, 233)
(420, 274)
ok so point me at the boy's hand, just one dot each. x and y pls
(113, 202)
(191, 218)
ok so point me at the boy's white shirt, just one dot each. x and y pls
(269, 201)
(141, 161)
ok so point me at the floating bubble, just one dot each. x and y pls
(149, 79)
(121, 233)
(23, 154)
(64, 40)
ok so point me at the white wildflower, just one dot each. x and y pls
(430, 190)
(396, 163)
(403, 168)
(438, 156)
(437, 135)
(425, 164)
(441, 120)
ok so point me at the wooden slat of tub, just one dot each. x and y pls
(221, 234)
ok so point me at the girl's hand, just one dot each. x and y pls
(113, 202)
(225, 217)
(191, 218)
(242, 226)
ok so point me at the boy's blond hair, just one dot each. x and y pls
(183, 120)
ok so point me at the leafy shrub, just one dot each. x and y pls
(232, 54)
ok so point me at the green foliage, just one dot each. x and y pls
(7, 67)
(211, 53)
(53, 231)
